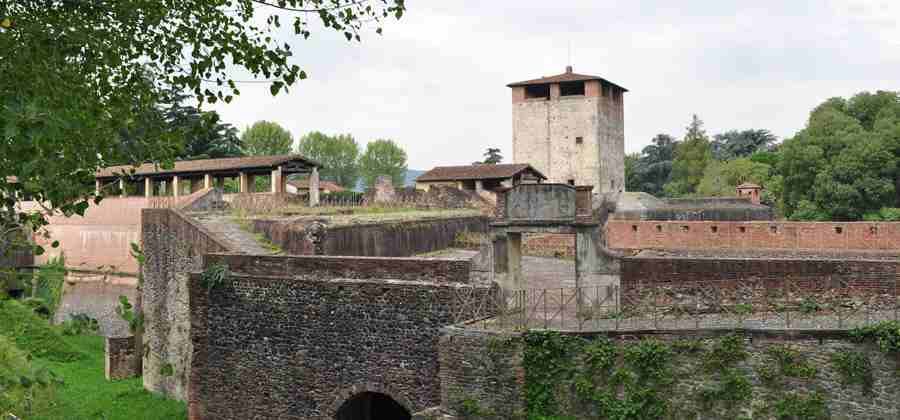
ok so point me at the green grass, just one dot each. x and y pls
(86, 394)
(34, 334)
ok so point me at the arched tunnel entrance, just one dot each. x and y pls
(372, 406)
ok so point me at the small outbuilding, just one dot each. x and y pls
(479, 178)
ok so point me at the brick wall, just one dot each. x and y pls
(173, 245)
(876, 276)
(278, 340)
(120, 358)
(754, 235)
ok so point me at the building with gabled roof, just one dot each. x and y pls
(479, 177)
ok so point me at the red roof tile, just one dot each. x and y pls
(206, 165)
(454, 173)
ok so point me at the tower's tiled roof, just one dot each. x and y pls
(568, 76)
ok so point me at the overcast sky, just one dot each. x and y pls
(435, 80)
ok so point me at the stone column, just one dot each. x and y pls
(276, 181)
(176, 190)
(514, 260)
(479, 186)
(242, 177)
(314, 187)
(207, 181)
(148, 187)
(122, 192)
(96, 187)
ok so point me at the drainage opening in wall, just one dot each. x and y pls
(372, 406)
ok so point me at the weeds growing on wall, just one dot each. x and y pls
(214, 276)
(569, 377)
(855, 368)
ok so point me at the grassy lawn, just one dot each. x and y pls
(78, 360)
(86, 394)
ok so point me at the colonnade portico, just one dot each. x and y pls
(190, 176)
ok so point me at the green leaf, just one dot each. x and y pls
(276, 87)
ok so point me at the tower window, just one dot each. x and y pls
(571, 89)
(537, 91)
(579, 140)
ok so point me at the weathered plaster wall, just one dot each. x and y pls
(283, 338)
(392, 239)
(545, 131)
(484, 370)
(174, 246)
(754, 235)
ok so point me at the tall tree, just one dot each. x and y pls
(383, 157)
(843, 165)
(337, 154)
(737, 144)
(492, 156)
(205, 135)
(691, 157)
(654, 166)
(266, 138)
(76, 74)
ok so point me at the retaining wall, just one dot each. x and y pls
(120, 358)
(173, 245)
(484, 372)
(281, 338)
(390, 239)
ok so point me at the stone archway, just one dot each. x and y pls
(372, 406)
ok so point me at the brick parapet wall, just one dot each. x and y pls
(875, 276)
(173, 245)
(300, 345)
(468, 358)
(753, 235)
(121, 361)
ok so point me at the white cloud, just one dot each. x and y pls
(435, 81)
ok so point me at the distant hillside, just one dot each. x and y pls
(410, 180)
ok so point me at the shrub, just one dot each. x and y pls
(890, 214)
(80, 324)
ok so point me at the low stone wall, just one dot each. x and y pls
(642, 234)
(715, 374)
(173, 245)
(872, 276)
(121, 362)
(391, 239)
(277, 340)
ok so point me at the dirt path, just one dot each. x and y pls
(226, 228)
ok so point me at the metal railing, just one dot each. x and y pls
(831, 303)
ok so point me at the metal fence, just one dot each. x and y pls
(786, 304)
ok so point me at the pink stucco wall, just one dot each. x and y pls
(99, 240)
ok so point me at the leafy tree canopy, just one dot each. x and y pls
(383, 157)
(691, 157)
(736, 144)
(75, 74)
(338, 155)
(843, 164)
(266, 138)
(492, 156)
(651, 169)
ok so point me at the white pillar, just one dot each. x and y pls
(96, 187)
(176, 191)
(314, 188)
(207, 181)
(276, 181)
(148, 187)
(242, 184)
(122, 192)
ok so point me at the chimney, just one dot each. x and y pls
(568, 69)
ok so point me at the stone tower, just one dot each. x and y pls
(571, 128)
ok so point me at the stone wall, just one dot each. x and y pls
(280, 340)
(174, 246)
(754, 235)
(391, 239)
(484, 373)
(876, 276)
(121, 361)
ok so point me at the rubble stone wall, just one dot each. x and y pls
(120, 358)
